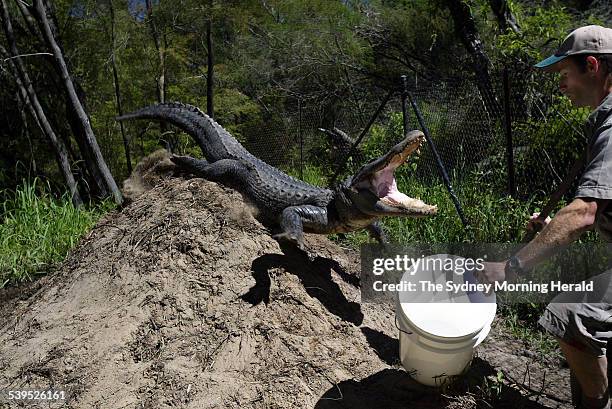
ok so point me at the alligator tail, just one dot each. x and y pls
(206, 132)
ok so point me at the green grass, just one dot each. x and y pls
(492, 218)
(520, 321)
(310, 174)
(37, 230)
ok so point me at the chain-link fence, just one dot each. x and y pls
(547, 133)
(472, 138)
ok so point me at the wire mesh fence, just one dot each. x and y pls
(547, 133)
(529, 157)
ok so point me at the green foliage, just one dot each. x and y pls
(310, 174)
(521, 321)
(37, 230)
(556, 131)
(542, 29)
(413, 36)
(492, 387)
(383, 136)
(546, 150)
(239, 112)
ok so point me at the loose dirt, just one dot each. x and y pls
(183, 300)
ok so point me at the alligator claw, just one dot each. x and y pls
(292, 238)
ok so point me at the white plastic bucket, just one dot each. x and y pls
(438, 336)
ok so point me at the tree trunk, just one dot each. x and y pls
(27, 17)
(161, 77)
(107, 179)
(467, 32)
(210, 61)
(505, 18)
(126, 143)
(95, 180)
(92, 173)
(22, 99)
(29, 94)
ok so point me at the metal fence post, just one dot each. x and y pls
(301, 139)
(508, 132)
(404, 105)
(439, 162)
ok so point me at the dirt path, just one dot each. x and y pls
(183, 299)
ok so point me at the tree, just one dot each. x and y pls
(505, 17)
(465, 26)
(211, 64)
(126, 142)
(28, 95)
(155, 33)
(107, 183)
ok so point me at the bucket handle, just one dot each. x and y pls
(401, 330)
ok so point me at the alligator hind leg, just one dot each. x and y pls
(295, 218)
(188, 163)
(227, 171)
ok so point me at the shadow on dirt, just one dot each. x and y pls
(394, 389)
(316, 277)
(386, 347)
(389, 388)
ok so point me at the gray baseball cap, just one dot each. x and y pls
(583, 40)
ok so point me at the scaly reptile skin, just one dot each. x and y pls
(281, 199)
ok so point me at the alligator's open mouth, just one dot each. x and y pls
(378, 177)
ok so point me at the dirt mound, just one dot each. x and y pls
(182, 299)
(147, 174)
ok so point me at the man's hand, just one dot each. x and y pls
(492, 272)
(536, 223)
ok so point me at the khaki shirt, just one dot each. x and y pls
(596, 181)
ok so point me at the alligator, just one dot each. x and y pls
(341, 144)
(338, 137)
(298, 207)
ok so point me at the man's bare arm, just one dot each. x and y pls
(566, 227)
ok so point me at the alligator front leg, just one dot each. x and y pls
(377, 232)
(295, 219)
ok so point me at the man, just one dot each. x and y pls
(584, 62)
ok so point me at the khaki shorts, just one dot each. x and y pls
(583, 319)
